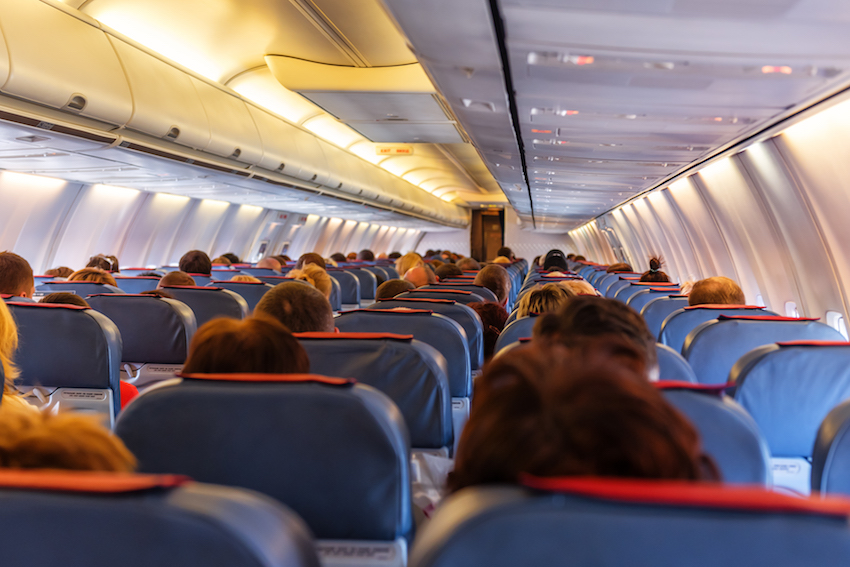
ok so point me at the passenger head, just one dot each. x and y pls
(394, 255)
(311, 258)
(506, 252)
(571, 256)
(64, 441)
(176, 278)
(338, 257)
(63, 298)
(366, 255)
(621, 267)
(260, 345)
(654, 274)
(101, 262)
(245, 279)
(495, 278)
(151, 275)
(543, 299)
(351, 256)
(15, 275)
(560, 412)
(196, 262)
(579, 258)
(468, 264)
(301, 308)
(435, 263)
(221, 261)
(420, 276)
(269, 264)
(448, 270)
(586, 320)
(95, 275)
(555, 261)
(315, 276)
(115, 266)
(282, 258)
(493, 318)
(501, 260)
(158, 293)
(716, 290)
(60, 272)
(8, 346)
(234, 259)
(407, 262)
(578, 287)
(391, 288)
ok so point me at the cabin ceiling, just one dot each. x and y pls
(612, 97)
(261, 47)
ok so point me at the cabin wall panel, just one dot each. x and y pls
(238, 231)
(199, 228)
(681, 249)
(98, 222)
(153, 230)
(642, 249)
(527, 244)
(33, 211)
(452, 240)
(654, 240)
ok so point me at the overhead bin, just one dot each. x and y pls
(165, 102)
(280, 151)
(61, 61)
(232, 130)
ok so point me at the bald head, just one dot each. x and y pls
(716, 291)
(420, 276)
(269, 264)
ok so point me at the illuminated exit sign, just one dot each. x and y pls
(394, 150)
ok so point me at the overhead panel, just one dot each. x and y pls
(393, 104)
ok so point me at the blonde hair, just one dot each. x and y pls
(578, 287)
(315, 276)
(502, 260)
(408, 262)
(8, 346)
(543, 299)
(95, 275)
(66, 441)
(244, 278)
(223, 261)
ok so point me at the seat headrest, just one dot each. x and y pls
(312, 429)
(448, 291)
(153, 329)
(720, 306)
(355, 336)
(95, 518)
(210, 302)
(419, 299)
(271, 378)
(765, 318)
(685, 494)
(84, 346)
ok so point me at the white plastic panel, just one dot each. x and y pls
(56, 57)
(98, 224)
(199, 228)
(231, 125)
(238, 231)
(680, 253)
(153, 230)
(163, 98)
(32, 211)
(279, 147)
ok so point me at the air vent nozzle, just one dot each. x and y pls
(174, 133)
(236, 153)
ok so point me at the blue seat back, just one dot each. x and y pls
(626, 293)
(482, 291)
(439, 331)
(335, 298)
(209, 303)
(789, 389)
(728, 434)
(411, 373)
(391, 272)
(257, 272)
(713, 348)
(136, 284)
(368, 282)
(465, 316)
(643, 296)
(133, 272)
(335, 452)
(349, 286)
(153, 329)
(66, 346)
(658, 309)
(201, 279)
(83, 289)
(378, 271)
(251, 292)
(618, 284)
(831, 453)
(678, 325)
(612, 523)
(519, 329)
(42, 279)
(672, 366)
(95, 519)
(465, 297)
